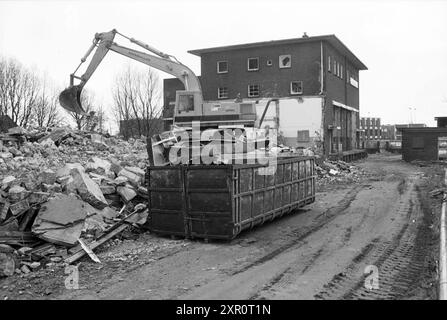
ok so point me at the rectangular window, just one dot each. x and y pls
(329, 63)
(341, 71)
(222, 93)
(222, 66)
(253, 90)
(285, 61)
(347, 76)
(253, 64)
(335, 67)
(296, 87)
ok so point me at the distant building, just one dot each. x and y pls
(441, 122)
(424, 143)
(371, 128)
(399, 128)
(134, 128)
(316, 81)
(388, 132)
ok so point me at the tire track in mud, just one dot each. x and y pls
(280, 279)
(400, 262)
(299, 234)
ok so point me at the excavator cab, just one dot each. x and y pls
(70, 99)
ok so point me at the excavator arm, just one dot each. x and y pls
(70, 98)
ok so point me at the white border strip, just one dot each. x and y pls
(442, 250)
(341, 105)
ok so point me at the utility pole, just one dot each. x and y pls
(411, 114)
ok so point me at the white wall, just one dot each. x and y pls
(294, 114)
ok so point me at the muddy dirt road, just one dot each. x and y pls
(385, 221)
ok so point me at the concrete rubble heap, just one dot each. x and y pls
(329, 171)
(62, 187)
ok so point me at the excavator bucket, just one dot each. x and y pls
(70, 99)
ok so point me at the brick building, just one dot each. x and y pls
(371, 128)
(315, 78)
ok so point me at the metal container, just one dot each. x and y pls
(220, 201)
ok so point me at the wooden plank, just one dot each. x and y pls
(95, 244)
(113, 231)
(89, 251)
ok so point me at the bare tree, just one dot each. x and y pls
(137, 102)
(19, 91)
(47, 108)
(82, 120)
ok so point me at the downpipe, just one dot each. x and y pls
(442, 250)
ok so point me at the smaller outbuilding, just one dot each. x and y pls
(426, 144)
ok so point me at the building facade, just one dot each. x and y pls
(371, 128)
(424, 143)
(315, 79)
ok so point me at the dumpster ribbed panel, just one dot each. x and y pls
(218, 202)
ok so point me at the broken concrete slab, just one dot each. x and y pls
(60, 220)
(52, 188)
(10, 226)
(7, 181)
(65, 170)
(120, 181)
(136, 170)
(99, 142)
(6, 155)
(7, 265)
(56, 135)
(19, 207)
(48, 176)
(88, 189)
(126, 193)
(107, 189)
(115, 166)
(63, 210)
(17, 193)
(133, 178)
(4, 248)
(17, 131)
(25, 269)
(98, 165)
(38, 197)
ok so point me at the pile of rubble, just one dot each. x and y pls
(329, 171)
(65, 192)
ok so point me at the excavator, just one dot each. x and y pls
(190, 108)
(189, 105)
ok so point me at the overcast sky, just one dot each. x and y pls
(403, 43)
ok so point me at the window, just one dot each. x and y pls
(269, 62)
(186, 103)
(253, 64)
(341, 71)
(253, 90)
(222, 93)
(285, 61)
(296, 87)
(329, 63)
(335, 67)
(347, 76)
(222, 66)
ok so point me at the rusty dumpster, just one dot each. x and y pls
(220, 201)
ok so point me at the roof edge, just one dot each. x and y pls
(329, 38)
